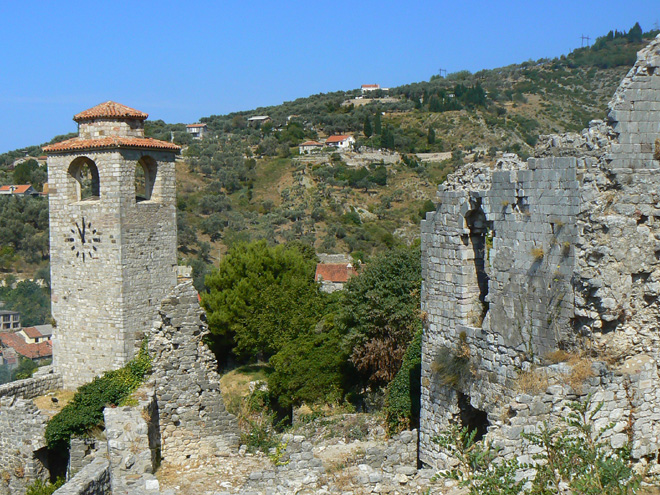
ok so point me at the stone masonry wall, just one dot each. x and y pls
(93, 479)
(104, 302)
(22, 443)
(523, 237)
(571, 261)
(194, 423)
(32, 387)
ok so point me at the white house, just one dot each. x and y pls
(340, 141)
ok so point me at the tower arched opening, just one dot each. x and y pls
(145, 177)
(83, 174)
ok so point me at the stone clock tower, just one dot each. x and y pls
(112, 239)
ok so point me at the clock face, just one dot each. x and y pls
(84, 240)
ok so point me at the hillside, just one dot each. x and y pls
(247, 182)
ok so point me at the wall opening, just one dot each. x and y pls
(480, 233)
(84, 174)
(471, 417)
(145, 177)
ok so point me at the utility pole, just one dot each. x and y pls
(585, 38)
(441, 71)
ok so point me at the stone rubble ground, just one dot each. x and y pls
(327, 458)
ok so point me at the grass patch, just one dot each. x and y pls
(235, 384)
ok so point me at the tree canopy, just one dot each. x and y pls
(261, 297)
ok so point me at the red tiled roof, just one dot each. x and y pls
(334, 272)
(110, 109)
(32, 332)
(30, 351)
(311, 143)
(336, 139)
(370, 86)
(110, 142)
(17, 189)
(196, 125)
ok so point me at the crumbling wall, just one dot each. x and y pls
(517, 225)
(194, 423)
(22, 443)
(22, 426)
(44, 382)
(93, 479)
(572, 261)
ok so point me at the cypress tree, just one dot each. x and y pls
(378, 126)
(368, 131)
(431, 136)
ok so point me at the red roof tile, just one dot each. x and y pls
(32, 332)
(336, 139)
(110, 109)
(16, 189)
(110, 142)
(196, 125)
(311, 143)
(30, 351)
(334, 272)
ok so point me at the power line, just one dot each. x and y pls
(585, 38)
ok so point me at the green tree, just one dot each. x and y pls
(381, 311)
(368, 131)
(23, 171)
(262, 297)
(312, 368)
(378, 125)
(430, 137)
(30, 300)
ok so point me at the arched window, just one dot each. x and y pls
(84, 176)
(145, 177)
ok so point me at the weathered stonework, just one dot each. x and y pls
(194, 423)
(561, 252)
(93, 479)
(113, 256)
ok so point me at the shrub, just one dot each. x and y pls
(402, 400)
(573, 455)
(452, 367)
(40, 487)
(85, 411)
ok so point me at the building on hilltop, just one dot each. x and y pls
(112, 239)
(543, 279)
(197, 131)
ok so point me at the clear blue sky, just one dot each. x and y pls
(179, 61)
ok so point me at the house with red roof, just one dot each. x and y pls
(197, 131)
(18, 190)
(36, 352)
(309, 147)
(341, 141)
(333, 276)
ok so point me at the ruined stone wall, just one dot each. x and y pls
(514, 228)
(22, 443)
(572, 260)
(194, 423)
(105, 291)
(93, 479)
(32, 387)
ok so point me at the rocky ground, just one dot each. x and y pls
(344, 454)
